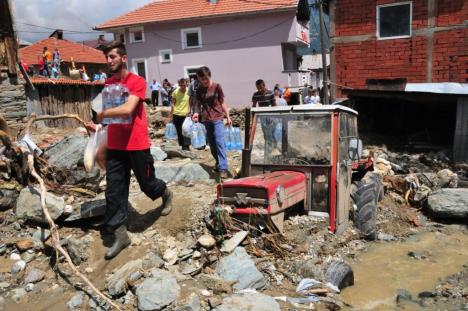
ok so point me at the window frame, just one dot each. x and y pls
(183, 34)
(132, 34)
(161, 56)
(119, 33)
(135, 62)
(377, 24)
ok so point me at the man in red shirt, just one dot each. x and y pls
(128, 148)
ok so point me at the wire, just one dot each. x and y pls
(64, 30)
(232, 40)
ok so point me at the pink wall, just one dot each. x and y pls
(235, 65)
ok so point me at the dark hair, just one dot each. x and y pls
(116, 44)
(259, 82)
(204, 72)
(182, 80)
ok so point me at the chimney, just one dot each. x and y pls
(101, 38)
(57, 34)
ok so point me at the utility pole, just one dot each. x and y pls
(319, 4)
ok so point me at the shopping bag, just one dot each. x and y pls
(96, 149)
(187, 127)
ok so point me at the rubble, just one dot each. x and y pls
(448, 204)
(28, 206)
(157, 291)
(117, 283)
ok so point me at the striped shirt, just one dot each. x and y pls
(263, 100)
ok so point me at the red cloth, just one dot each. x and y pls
(130, 136)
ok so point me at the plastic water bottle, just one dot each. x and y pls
(170, 132)
(198, 139)
(123, 99)
(278, 133)
(237, 139)
(227, 138)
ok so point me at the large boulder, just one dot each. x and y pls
(185, 171)
(448, 204)
(28, 205)
(68, 152)
(157, 291)
(158, 154)
(240, 267)
(249, 302)
(117, 282)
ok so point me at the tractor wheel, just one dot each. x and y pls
(365, 200)
(339, 274)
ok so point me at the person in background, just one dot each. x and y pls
(210, 103)
(57, 60)
(54, 73)
(165, 94)
(47, 57)
(262, 97)
(279, 101)
(155, 89)
(102, 76)
(180, 110)
(287, 95)
(169, 89)
(192, 91)
(312, 97)
(277, 88)
(42, 67)
(128, 149)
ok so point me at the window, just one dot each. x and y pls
(394, 20)
(290, 57)
(139, 67)
(165, 56)
(191, 38)
(120, 36)
(191, 71)
(137, 35)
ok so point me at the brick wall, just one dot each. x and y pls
(368, 58)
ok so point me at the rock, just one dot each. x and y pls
(215, 283)
(117, 282)
(419, 255)
(34, 275)
(232, 243)
(192, 304)
(307, 269)
(77, 250)
(214, 302)
(41, 234)
(158, 154)
(447, 178)
(249, 302)
(196, 255)
(170, 256)
(28, 206)
(427, 294)
(386, 237)
(157, 291)
(207, 241)
(24, 244)
(180, 172)
(29, 287)
(75, 302)
(15, 256)
(4, 285)
(68, 152)
(8, 198)
(448, 204)
(174, 152)
(239, 267)
(18, 294)
(28, 256)
(403, 295)
(2, 302)
(18, 266)
(152, 260)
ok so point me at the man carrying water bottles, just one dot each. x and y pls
(128, 149)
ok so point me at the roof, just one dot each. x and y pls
(305, 108)
(43, 80)
(80, 53)
(439, 88)
(174, 10)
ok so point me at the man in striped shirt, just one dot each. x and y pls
(263, 97)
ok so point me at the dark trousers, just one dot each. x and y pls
(184, 142)
(118, 166)
(155, 98)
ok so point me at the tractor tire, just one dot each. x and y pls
(365, 213)
(340, 274)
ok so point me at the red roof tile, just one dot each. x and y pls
(172, 10)
(81, 54)
(43, 80)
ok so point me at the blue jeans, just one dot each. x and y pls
(215, 137)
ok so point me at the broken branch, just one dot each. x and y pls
(34, 118)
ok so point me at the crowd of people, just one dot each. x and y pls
(49, 63)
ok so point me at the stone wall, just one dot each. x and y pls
(12, 100)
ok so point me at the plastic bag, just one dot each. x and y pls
(187, 127)
(198, 135)
(232, 138)
(170, 132)
(95, 150)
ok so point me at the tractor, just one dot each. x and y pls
(306, 158)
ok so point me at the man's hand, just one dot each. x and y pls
(229, 121)
(100, 117)
(91, 126)
(195, 117)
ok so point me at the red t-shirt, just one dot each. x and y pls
(130, 136)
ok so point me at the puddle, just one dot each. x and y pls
(386, 267)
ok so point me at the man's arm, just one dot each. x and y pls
(122, 111)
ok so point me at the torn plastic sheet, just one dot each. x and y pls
(306, 284)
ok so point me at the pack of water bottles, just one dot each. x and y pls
(170, 132)
(114, 95)
(198, 135)
(233, 138)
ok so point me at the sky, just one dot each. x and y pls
(75, 15)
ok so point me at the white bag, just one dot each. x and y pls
(187, 127)
(96, 147)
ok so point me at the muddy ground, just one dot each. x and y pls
(414, 264)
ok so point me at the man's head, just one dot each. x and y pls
(154, 81)
(182, 84)
(277, 93)
(260, 84)
(204, 76)
(44, 49)
(116, 56)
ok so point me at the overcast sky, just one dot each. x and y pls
(76, 15)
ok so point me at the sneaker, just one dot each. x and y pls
(167, 202)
